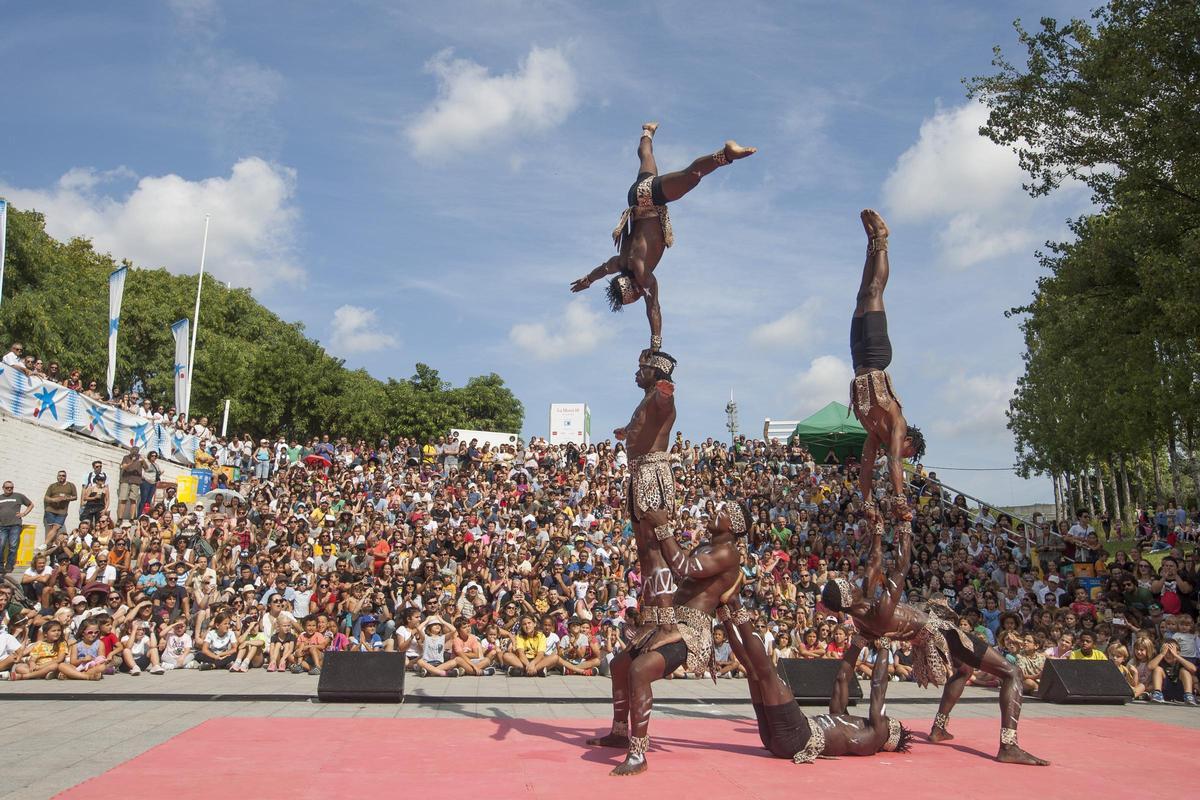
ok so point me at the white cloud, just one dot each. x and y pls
(235, 95)
(827, 378)
(161, 221)
(473, 105)
(967, 185)
(794, 329)
(579, 330)
(977, 405)
(193, 12)
(355, 330)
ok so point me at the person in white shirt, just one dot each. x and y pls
(15, 358)
(1050, 591)
(102, 571)
(176, 647)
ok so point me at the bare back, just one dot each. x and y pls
(902, 624)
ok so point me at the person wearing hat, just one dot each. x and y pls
(262, 458)
(369, 640)
(176, 647)
(153, 580)
(433, 650)
(1051, 591)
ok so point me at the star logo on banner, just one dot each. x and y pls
(46, 402)
(139, 434)
(113, 324)
(179, 371)
(97, 415)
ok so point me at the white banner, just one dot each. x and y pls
(183, 371)
(570, 422)
(53, 405)
(3, 239)
(116, 291)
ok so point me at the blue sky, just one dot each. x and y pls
(421, 182)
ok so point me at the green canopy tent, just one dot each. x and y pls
(831, 428)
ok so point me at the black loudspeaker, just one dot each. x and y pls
(362, 678)
(1093, 682)
(812, 680)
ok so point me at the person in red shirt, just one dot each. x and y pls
(379, 550)
(468, 650)
(110, 643)
(1082, 606)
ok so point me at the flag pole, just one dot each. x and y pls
(196, 323)
(3, 238)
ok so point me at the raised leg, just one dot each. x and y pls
(676, 184)
(876, 268)
(646, 161)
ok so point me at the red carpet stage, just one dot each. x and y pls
(517, 758)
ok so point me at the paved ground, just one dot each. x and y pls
(55, 734)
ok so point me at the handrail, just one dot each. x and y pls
(974, 515)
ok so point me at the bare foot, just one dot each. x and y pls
(734, 151)
(632, 765)
(1011, 754)
(873, 224)
(610, 740)
(650, 128)
(940, 735)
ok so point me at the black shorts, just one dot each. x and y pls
(788, 729)
(959, 652)
(656, 193)
(870, 345)
(675, 654)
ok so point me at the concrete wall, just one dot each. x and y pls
(32, 455)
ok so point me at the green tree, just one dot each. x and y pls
(277, 379)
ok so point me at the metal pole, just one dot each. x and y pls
(196, 322)
(225, 419)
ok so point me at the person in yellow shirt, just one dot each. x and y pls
(1087, 650)
(204, 459)
(529, 645)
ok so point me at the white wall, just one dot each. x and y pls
(31, 456)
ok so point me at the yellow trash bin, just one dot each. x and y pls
(185, 491)
(25, 547)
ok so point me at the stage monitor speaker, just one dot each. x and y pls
(1093, 682)
(362, 678)
(812, 680)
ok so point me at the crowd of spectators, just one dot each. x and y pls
(520, 560)
(130, 401)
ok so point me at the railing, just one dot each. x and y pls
(974, 515)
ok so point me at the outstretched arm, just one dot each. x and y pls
(701, 563)
(747, 647)
(879, 683)
(653, 309)
(839, 701)
(895, 448)
(866, 466)
(610, 267)
(874, 572)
